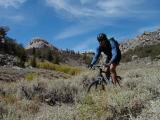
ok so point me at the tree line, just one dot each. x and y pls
(9, 45)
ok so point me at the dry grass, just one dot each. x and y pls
(67, 99)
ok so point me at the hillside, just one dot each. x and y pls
(38, 94)
(54, 89)
(46, 51)
(38, 50)
(140, 52)
(143, 46)
(147, 38)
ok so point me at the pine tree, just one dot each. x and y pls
(33, 60)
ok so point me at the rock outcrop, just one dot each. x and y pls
(147, 38)
(8, 60)
(39, 43)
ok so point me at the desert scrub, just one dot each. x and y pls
(93, 107)
(31, 90)
(9, 99)
(151, 112)
(61, 68)
(125, 103)
(29, 106)
(12, 113)
(62, 92)
(51, 92)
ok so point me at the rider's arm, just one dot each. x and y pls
(96, 56)
(114, 51)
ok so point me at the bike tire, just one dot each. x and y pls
(94, 83)
(98, 81)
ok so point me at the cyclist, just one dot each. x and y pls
(109, 47)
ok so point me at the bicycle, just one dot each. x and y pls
(100, 79)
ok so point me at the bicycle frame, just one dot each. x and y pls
(100, 79)
(100, 67)
(108, 77)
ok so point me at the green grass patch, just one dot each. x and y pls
(31, 76)
(61, 68)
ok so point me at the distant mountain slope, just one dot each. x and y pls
(46, 51)
(147, 38)
(145, 45)
(39, 43)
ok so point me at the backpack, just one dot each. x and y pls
(112, 39)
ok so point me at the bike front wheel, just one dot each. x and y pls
(98, 82)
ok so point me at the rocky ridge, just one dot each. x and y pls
(39, 43)
(147, 38)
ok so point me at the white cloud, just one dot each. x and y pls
(16, 18)
(92, 13)
(9, 13)
(12, 18)
(81, 28)
(95, 8)
(74, 31)
(71, 32)
(83, 2)
(70, 8)
(11, 3)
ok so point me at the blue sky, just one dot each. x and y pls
(74, 24)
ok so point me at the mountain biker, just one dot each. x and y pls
(109, 47)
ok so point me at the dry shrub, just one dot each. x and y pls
(9, 99)
(134, 74)
(136, 107)
(30, 91)
(61, 92)
(3, 111)
(131, 84)
(2, 92)
(125, 112)
(31, 107)
(151, 112)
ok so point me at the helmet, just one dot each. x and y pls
(101, 36)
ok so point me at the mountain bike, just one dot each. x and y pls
(101, 79)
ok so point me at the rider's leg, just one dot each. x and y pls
(113, 73)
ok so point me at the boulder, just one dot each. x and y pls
(8, 60)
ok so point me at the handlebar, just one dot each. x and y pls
(98, 66)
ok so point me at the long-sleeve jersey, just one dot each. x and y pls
(111, 50)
